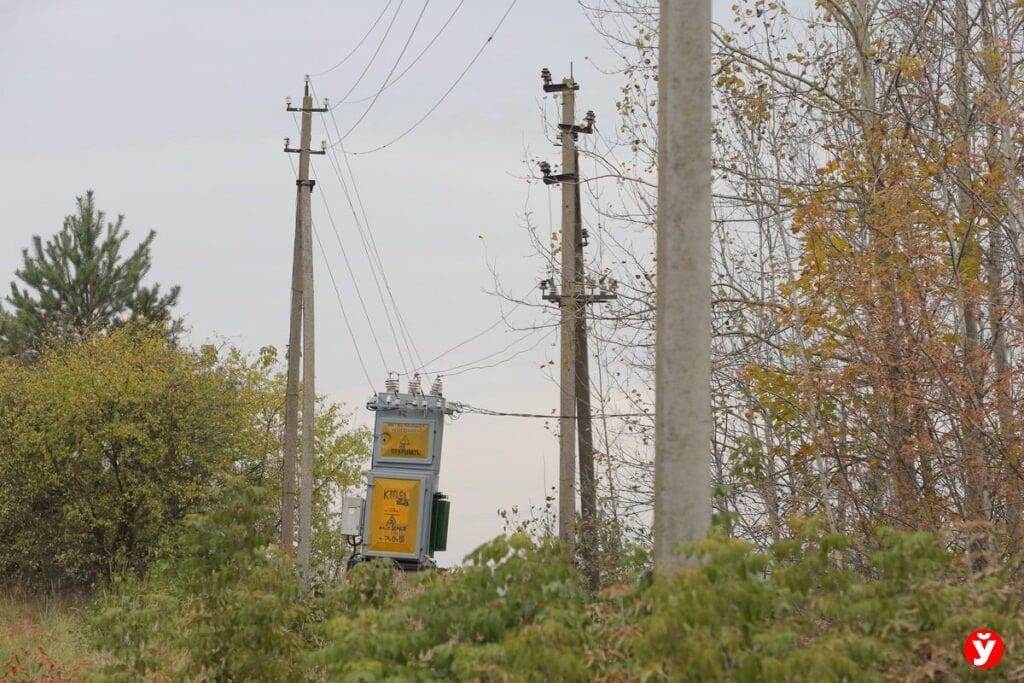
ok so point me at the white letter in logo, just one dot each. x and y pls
(984, 649)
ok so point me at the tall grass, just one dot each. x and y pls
(42, 636)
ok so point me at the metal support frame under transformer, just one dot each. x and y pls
(404, 474)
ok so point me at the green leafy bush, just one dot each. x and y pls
(106, 443)
(513, 607)
(797, 613)
(222, 604)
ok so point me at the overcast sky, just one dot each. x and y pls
(173, 112)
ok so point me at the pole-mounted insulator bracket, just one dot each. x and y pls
(598, 298)
(549, 292)
(550, 178)
(567, 84)
(293, 150)
(570, 128)
(589, 120)
(316, 109)
(306, 183)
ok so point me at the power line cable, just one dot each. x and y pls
(375, 265)
(472, 365)
(352, 275)
(415, 59)
(332, 159)
(370, 244)
(344, 313)
(466, 408)
(448, 91)
(391, 73)
(376, 52)
(373, 273)
(360, 43)
(402, 326)
(462, 343)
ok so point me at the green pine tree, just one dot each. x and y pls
(79, 281)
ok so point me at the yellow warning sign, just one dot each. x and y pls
(405, 440)
(394, 516)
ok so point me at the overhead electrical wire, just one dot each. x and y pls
(402, 326)
(360, 43)
(370, 248)
(369, 243)
(376, 52)
(447, 92)
(403, 361)
(387, 78)
(373, 256)
(337, 292)
(344, 315)
(466, 408)
(352, 276)
(414, 60)
(462, 343)
(351, 272)
(355, 284)
(474, 364)
(375, 263)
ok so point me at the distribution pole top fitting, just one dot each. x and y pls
(293, 150)
(589, 120)
(553, 295)
(289, 107)
(550, 178)
(567, 84)
(549, 292)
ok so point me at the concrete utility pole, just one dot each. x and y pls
(301, 326)
(568, 303)
(588, 481)
(291, 396)
(682, 429)
(575, 368)
(566, 385)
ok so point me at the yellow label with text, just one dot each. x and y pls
(394, 516)
(405, 440)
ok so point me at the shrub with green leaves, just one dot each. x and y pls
(221, 604)
(800, 612)
(105, 443)
(514, 607)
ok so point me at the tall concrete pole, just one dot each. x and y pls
(574, 382)
(682, 431)
(588, 481)
(567, 377)
(291, 395)
(291, 400)
(302, 325)
(308, 348)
